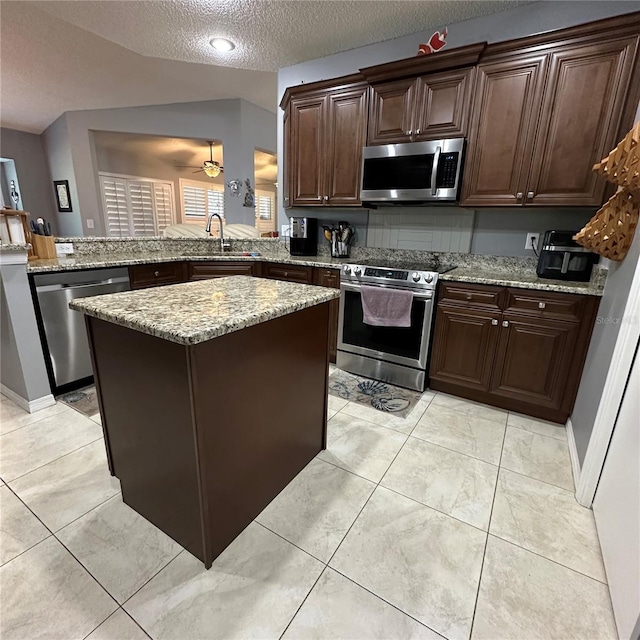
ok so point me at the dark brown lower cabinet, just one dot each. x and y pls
(207, 270)
(330, 278)
(464, 346)
(529, 361)
(154, 275)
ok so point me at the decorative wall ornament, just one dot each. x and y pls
(610, 232)
(249, 196)
(235, 186)
(13, 194)
(63, 197)
(436, 42)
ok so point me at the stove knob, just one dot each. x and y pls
(347, 269)
(415, 277)
(428, 277)
(357, 271)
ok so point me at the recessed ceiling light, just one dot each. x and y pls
(222, 44)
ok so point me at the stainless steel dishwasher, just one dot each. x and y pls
(63, 332)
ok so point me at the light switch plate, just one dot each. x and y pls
(64, 248)
(89, 223)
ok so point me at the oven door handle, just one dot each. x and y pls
(427, 295)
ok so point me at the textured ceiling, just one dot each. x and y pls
(61, 55)
(268, 34)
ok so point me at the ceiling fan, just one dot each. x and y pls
(211, 167)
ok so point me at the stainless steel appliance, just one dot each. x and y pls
(397, 355)
(412, 173)
(562, 258)
(62, 331)
(303, 239)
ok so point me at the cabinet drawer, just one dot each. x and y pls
(291, 273)
(545, 304)
(207, 270)
(471, 295)
(326, 277)
(153, 275)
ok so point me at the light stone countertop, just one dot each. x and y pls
(195, 312)
(483, 273)
(521, 280)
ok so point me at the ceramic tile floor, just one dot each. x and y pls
(458, 522)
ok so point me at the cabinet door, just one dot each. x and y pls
(584, 99)
(391, 112)
(464, 346)
(443, 104)
(306, 146)
(330, 278)
(346, 135)
(533, 360)
(507, 104)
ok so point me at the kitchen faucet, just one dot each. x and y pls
(224, 246)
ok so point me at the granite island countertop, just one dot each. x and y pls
(195, 312)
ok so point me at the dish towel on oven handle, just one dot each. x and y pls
(382, 307)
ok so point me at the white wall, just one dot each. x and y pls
(239, 127)
(502, 233)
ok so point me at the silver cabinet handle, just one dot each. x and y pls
(494, 322)
(418, 132)
(542, 305)
(505, 323)
(409, 132)
(530, 194)
(519, 195)
(326, 198)
(156, 273)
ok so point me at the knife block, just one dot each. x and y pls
(43, 246)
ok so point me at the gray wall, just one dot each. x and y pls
(497, 232)
(35, 186)
(58, 150)
(239, 126)
(22, 367)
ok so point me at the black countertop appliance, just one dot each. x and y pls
(303, 239)
(562, 258)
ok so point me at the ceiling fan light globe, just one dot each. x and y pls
(211, 169)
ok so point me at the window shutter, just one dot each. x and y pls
(195, 201)
(163, 206)
(215, 202)
(141, 197)
(116, 210)
(264, 207)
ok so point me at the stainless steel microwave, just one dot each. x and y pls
(414, 172)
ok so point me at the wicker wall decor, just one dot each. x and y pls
(622, 165)
(610, 232)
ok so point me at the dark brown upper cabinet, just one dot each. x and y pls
(325, 129)
(546, 109)
(424, 108)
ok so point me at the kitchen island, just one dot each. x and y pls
(213, 397)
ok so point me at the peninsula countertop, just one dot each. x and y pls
(195, 312)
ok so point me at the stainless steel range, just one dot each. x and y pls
(397, 355)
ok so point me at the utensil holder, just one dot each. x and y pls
(43, 246)
(340, 249)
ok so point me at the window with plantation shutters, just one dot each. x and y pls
(136, 206)
(200, 199)
(265, 211)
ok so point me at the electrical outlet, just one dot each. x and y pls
(285, 231)
(64, 248)
(89, 223)
(535, 237)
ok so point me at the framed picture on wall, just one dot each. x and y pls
(63, 197)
